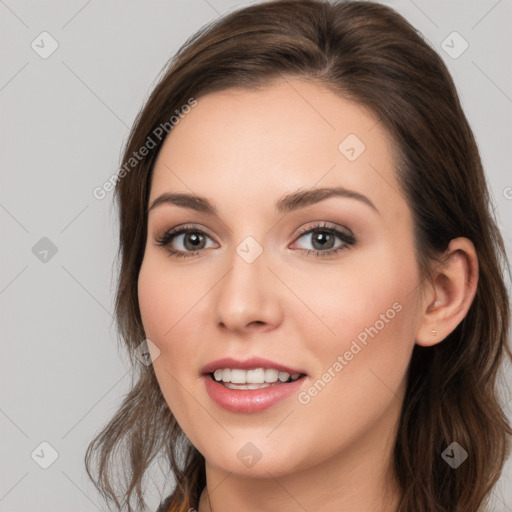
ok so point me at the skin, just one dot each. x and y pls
(243, 150)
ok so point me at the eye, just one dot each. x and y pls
(190, 240)
(186, 241)
(323, 238)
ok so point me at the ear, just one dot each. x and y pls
(447, 302)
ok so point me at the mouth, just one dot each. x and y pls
(255, 387)
(251, 385)
(257, 378)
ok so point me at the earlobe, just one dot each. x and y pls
(454, 288)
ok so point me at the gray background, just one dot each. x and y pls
(63, 121)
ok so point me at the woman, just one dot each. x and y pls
(308, 255)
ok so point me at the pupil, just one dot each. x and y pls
(192, 237)
(322, 236)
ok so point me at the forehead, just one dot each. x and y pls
(254, 145)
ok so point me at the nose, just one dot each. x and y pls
(248, 297)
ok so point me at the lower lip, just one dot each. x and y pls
(250, 400)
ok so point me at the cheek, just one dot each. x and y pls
(362, 366)
(166, 296)
(353, 296)
(164, 302)
(175, 311)
(154, 300)
(370, 314)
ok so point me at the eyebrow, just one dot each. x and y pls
(286, 204)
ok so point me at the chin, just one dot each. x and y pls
(256, 460)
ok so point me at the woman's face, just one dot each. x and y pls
(248, 283)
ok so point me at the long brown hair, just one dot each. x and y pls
(368, 53)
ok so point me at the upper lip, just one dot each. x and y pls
(247, 364)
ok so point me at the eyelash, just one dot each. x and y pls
(347, 239)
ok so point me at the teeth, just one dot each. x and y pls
(284, 376)
(246, 386)
(271, 375)
(249, 377)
